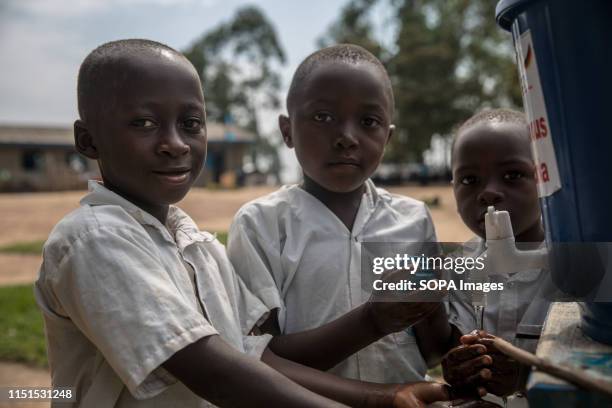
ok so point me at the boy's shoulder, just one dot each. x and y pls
(87, 218)
(88, 222)
(276, 202)
(403, 204)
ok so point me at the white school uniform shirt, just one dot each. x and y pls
(121, 293)
(297, 256)
(516, 313)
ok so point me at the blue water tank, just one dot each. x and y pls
(572, 42)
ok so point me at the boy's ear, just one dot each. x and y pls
(391, 131)
(83, 140)
(284, 124)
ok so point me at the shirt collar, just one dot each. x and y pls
(181, 227)
(369, 201)
(100, 195)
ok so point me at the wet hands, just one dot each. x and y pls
(477, 367)
(422, 394)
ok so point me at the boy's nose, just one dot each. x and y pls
(172, 144)
(490, 196)
(347, 137)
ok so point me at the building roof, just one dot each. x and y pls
(50, 136)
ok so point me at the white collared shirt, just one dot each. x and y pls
(118, 300)
(517, 310)
(296, 255)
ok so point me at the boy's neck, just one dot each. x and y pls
(533, 234)
(159, 211)
(344, 205)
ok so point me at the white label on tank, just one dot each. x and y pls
(541, 138)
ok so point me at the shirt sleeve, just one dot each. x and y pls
(254, 259)
(113, 286)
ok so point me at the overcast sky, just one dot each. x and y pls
(42, 42)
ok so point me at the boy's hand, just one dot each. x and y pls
(505, 371)
(393, 311)
(421, 394)
(475, 369)
(465, 368)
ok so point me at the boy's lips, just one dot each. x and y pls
(174, 175)
(345, 162)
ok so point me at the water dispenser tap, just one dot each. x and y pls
(502, 256)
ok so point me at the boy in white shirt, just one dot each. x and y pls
(492, 166)
(299, 248)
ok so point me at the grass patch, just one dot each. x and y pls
(222, 237)
(22, 337)
(28, 248)
(431, 202)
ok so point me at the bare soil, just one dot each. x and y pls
(30, 217)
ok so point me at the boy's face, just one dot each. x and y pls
(492, 165)
(150, 139)
(339, 125)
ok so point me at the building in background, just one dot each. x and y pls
(34, 158)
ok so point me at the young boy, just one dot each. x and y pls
(299, 248)
(492, 166)
(140, 307)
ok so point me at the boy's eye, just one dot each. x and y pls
(468, 180)
(192, 124)
(513, 175)
(370, 122)
(322, 117)
(143, 123)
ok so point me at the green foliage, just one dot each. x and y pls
(448, 60)
(28, 248)
(22, 336)
(354, 27)
(238, 63)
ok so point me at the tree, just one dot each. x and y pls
(238, 64)
(448, 60)
(354, 26)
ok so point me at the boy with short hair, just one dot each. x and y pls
(299, 248)
(492, 166)
(140, 307)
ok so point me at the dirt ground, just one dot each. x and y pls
(19, 375)
(30, 217)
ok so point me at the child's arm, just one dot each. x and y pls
(359, 393)
(326, 346)
(218, 373)
(364, 394)
(435, 336)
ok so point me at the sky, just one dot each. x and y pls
(42, 43)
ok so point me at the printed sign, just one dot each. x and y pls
(533, 99)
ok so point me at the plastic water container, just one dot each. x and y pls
(567, 45)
